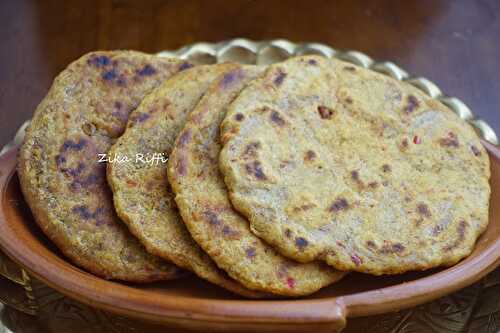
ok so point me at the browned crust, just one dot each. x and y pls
(50, 111)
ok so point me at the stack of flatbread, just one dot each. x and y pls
(264, 181)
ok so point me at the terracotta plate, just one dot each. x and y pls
(197, 305)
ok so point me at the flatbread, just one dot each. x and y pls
(138, 178)
(205, 208)
(61, 177)
(333, 162)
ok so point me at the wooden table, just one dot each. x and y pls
(454, 43)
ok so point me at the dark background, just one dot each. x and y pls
(454, 43)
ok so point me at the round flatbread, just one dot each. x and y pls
(203, 203)
(334, 162)
(138, 178)
(61, 176)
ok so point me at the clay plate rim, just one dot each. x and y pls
(25, 249)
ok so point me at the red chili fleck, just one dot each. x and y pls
(291, 282)
(417, 140)
(325, 112)
(130, 182)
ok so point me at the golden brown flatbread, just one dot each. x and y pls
(333, 162)
(61, 177)
(142, 195)
(204, 205)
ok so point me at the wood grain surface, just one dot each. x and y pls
(454, 43)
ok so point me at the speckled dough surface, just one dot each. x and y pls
(141, 192)
(334, 162)
(204, 205)
(64, 184)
